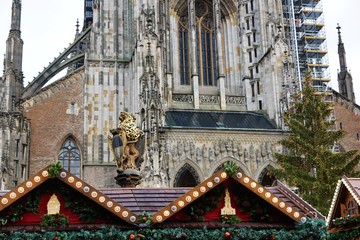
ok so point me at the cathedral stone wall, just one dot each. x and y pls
(203, 152)
(54, 114)
(100, 175)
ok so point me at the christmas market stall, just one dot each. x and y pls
(54, 204)
(344, 219)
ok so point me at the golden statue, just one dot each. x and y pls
(122, 142)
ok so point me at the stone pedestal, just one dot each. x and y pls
(129, 178)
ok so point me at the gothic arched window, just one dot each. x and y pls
(186, 177)
(69, 157)
(205, 46)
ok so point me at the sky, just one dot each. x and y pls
(47, 33)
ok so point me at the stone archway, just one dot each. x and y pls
(186, 177)
(266, 178)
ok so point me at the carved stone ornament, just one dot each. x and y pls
(53, 205)
(228, 209)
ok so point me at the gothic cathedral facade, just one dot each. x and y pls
(206, 79)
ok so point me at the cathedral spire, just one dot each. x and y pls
(77, 28)
(344, 77)
(13, 75)
(341, 51)
(16, 15)
(14, 43)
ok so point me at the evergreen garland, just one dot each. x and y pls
(145, 218)
(54, 220)
(310, 230)
(230, 219)
(343, 221)
(345, 235)
(54, 169)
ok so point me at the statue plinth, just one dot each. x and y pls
(128, 178)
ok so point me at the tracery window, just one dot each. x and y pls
(205, 45)
(69, 157)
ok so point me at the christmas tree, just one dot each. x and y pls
(308, 162)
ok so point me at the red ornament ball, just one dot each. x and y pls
(226, 218)
(144, 218)
(132, 237)
(56, 238)
(227, 234)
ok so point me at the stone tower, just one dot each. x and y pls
(344, 76)
(110, 85)
(13, 137)
(13, 75)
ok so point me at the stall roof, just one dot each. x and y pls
(162, 203)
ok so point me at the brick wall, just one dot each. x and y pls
(347, 117)
(54, 114)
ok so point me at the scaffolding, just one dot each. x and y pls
(304, 26)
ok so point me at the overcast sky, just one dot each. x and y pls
(48, 26)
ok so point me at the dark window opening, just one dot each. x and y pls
(186, 180)
(250, 57)
(17, 148)
(186, 177)
(16, 170)
(267, 179)
(247, 24)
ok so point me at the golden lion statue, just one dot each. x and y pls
(122, 142)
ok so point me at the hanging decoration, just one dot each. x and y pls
(145, 218)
